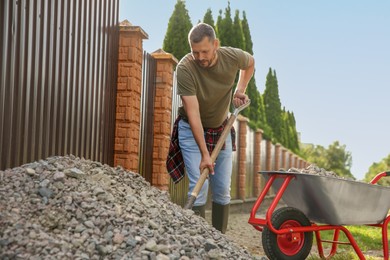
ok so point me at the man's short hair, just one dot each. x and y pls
(199, 31)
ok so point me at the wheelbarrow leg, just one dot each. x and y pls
(259, 223)
(353, 242)
(334, 245)
(385, 240)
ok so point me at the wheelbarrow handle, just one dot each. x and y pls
(205, 172)
(237, 110)
(379, 176)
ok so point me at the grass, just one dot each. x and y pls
(367, 238)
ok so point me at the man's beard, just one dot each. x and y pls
(204, 63)
(207, 63)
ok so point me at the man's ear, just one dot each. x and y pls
(216, 43)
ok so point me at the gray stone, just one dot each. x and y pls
(59, 176)
(74, 173)
(45, 192)
(30, 171)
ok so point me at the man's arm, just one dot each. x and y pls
(245, 75)
(191, 107)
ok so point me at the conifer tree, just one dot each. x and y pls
(208, 18)
(238, 36)
(285, 139)
(293, 134)
(256, 110)
(218, 25)
(225, 27)
(248, 44)
(176, 37)
(273, 110)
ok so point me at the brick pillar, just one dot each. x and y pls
(127, 124)
(242, 124)
(296, 161)
(258, 180)
(277, 157)
(268, 156)
(284, 165)
(162, 117)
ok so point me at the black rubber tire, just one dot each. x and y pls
(273, 244)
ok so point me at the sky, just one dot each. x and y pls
(331, 58)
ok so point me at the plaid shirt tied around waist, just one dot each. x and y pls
(175, 163)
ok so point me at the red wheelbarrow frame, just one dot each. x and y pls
(259, 223)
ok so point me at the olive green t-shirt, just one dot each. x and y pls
(212, 86)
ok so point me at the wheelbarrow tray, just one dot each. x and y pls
(334, 201)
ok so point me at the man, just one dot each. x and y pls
(205, 79)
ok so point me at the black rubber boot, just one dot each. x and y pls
(220, 216)
(200, 210)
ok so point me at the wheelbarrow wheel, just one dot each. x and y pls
(287, 246)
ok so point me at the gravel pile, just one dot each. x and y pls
(314, 169)
(72, 208)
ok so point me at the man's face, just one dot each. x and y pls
(204, 52)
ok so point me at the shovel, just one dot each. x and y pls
(214, 154)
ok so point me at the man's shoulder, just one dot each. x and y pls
(234, 55)
(186, 61)
(231, 52)
(229, 49)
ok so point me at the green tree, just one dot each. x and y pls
(225, 27)
(335, 158)
(315, 154)
(339, 160)
(284, 138)
(238, 35)
(208, 18)
(176, 37)
(256, 112)
(272, 104)
(248, 44)
(289, 132)
(379, 167)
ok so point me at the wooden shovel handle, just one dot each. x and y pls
(214, 154)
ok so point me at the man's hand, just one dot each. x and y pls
(206, 162)
(239, 98)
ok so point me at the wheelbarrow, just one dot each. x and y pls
(317, 203)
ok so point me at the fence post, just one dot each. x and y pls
(296, 161)
(277, 157)
(258, 181)
(284, 150)
(268, 155)
(242, 124)
(128, 99)
(290, 160)
(165, 64)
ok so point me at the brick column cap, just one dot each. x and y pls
(242, 118)
(160, 54)
(126, 26)
(259, 131)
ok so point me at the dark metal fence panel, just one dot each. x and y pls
(148, 94)
(178, 191)
(58, 71)
(234, 179)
